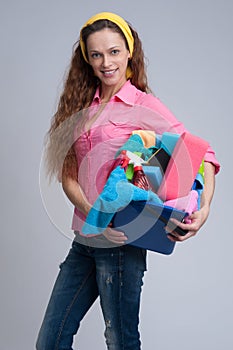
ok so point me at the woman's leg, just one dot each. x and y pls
(119, 276)
(73, 294)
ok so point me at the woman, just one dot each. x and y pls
(107, 74)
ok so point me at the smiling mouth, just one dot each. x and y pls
(109, 72)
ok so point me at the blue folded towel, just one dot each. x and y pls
(116, 195)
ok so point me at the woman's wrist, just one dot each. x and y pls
(205, 209)
(87, 209)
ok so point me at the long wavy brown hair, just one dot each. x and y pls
(79, 89)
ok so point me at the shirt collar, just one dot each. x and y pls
(126, 94)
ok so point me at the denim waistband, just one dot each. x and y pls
(98, 241)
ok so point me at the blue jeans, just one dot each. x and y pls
(115, 275)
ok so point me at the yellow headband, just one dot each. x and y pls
(119, 21)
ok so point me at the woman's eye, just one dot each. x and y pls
(115, 52)
(95, 55)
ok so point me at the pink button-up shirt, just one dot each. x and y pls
(96, 145)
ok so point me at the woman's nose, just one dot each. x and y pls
(106, 61)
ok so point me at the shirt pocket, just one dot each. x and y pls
(120, 127)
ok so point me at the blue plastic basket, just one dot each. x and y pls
(143, 223)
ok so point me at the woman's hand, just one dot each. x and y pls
(198, 218)
(115, 236)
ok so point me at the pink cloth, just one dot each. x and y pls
(187, 203)
(182, 167)
(130, 109)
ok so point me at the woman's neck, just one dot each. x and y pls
(106, 92)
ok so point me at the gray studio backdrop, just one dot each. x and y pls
(187, 298)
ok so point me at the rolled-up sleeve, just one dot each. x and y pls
(210, 158)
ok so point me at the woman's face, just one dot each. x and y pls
(108, 56)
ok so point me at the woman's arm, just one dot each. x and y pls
(209, 186)
(75, 194)
(199, 217)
